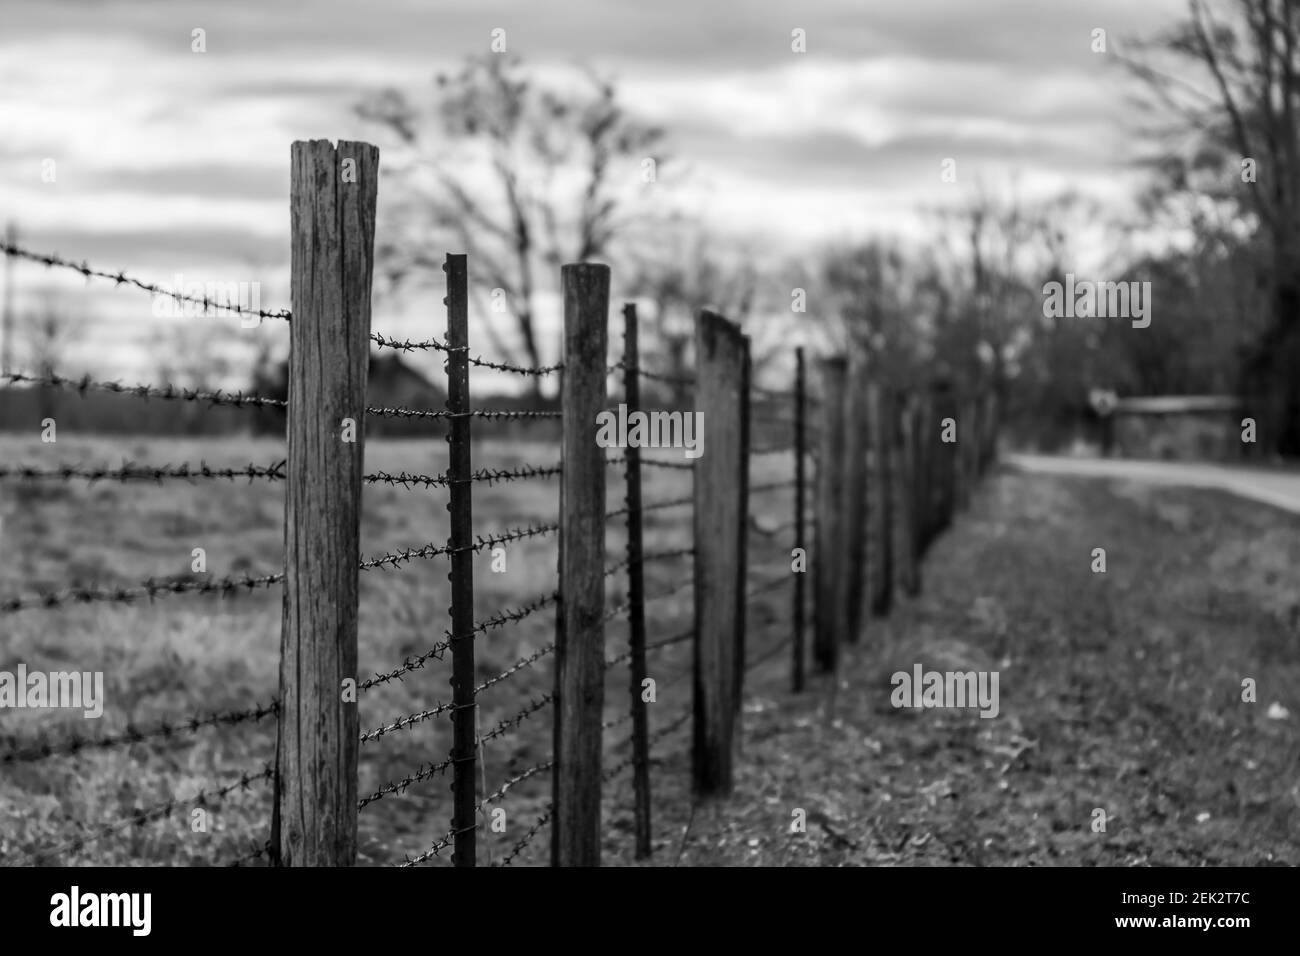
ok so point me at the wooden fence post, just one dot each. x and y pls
(855, 515)
(959, 476)
(461, 540)
(314, 817)
(742, 545)
(829, 573)
(579, 619)
(720, 359)
(926, 439)
(943, 472)
(636, 593)
(883, 431)
(910, 494)
(800, 478)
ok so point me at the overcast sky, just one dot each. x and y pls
(172, 161)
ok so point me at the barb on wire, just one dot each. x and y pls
(500, 619)
(150, 589)
(514, 781)
(406, 345)
(165, 392)
(424, 772)
(134, 735)
(487, 413)
(516, 534)
(514, 668)
(653, 739)
(408, 665)
(132, 472)
(621, 607)
(402, 723)
(53, 260)
(503, 618)
(397, 558)
(207, 799)
(510, 723)
(490, 476)
(542, 819)
(437, 847)
(443, 843)
(652, 646)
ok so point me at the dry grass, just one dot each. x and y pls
(183, 655)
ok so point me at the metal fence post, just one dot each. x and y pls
(464, 752)
(636, 592)
(314, 817)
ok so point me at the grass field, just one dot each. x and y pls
(184, 655)
(1119, 691)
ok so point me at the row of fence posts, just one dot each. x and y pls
(315, 810)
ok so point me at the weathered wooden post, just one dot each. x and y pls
(579, 619)
(883, 431)
(332, 226)
(636, 592)
(927, 438)
(910, 495)
(461, 540)
(742, 546)
(829, 573)
(721, 355)
(856, 531)
(800, 481)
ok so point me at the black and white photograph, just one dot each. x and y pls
(843, 434)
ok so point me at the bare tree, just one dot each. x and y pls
(529, 183)
(47, 333)
(1228, 82)
(44, 338)
(679, 268)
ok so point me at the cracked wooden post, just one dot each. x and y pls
(332, 228)
(580, 612)
(721, 361)
(829, 573)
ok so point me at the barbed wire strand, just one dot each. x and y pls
(149, 589)
(133, 735)
(205, 799)
(54, 260)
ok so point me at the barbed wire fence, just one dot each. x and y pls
(932, 477)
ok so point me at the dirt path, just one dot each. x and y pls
(1277, 488)
(1119, 692)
